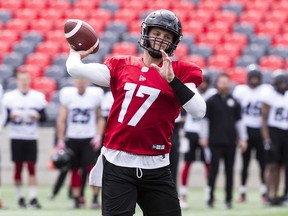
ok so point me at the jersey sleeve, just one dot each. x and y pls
(189, 72)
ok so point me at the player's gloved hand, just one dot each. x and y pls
(96, 142)
(60, 144)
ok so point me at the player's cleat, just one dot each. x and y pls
(274, 201)
(264, 198)
(34, 204)
(81, 201)
(22, 203)
(95, 205)
(210, 203)
(242, 198)
(227, 205)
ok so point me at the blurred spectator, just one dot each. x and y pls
(194, 151)
(78, 127)
(249, 96)
(25, 108)
(275, 133)
(219, 132)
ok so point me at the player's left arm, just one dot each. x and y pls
(186, 93)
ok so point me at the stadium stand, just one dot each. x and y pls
(224, 35)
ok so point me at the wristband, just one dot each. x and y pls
(182, 92)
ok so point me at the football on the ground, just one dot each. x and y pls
(80, 35)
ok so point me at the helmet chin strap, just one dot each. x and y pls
(155, 53)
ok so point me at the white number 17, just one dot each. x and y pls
(130, 88)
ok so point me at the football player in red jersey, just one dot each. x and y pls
(149, 93)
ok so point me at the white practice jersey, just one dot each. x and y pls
(23, 105)
(251, 102)
(278, 114)
(107, 103)
(193, 124)
(81, 119)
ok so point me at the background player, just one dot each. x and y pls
(78, 127)
(25, 108)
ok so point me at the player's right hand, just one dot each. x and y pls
(84, 53)
(60, 144)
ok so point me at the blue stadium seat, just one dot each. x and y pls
(203, 50)
(10, 84)
(32, 36)
(60, 59)
(13, 59)
(261, 40)
(254, 50)
(5, 15)
(24, 47)
(55, 71)
(233, 6)
(245, 60)
(117, 27)
(6, 71)
(279, 51)
(244, 28)
(111, 6)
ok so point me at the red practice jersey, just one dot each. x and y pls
(142, 116)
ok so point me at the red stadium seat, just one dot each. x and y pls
(280, 6)
(210, 39)
(193, 27)
(276, 16)
(51, 48)
(135, 5)
(280, 40)
(238, 75)
(99, 27)
(271, 62)
(126, 15)
(5, 48)
(182, 50)
(11, 5)
(196, 59)
(182, 6)
(62, 5)
(238, 39)
(40, 59)
(251, 16)
(124, 48)
(158, 4)
(101, 15)
(55, 36)
(51, 14)
(221, 62)
(210, 5)
(260, 6)
(42, 25)
(18, 25)
(75, 13)
(268, 28)
(35, 4)
(26, 14)
(228, 49)
(86, 5)
(225, 16)
(9, 36)
(200, 16)
(135, 26)
(219, 27)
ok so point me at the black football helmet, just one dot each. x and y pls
(163, 19)
(253, 70)
(280, 81)
(62, 158)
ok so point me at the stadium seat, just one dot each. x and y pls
(17, 25)
(111, 6)
(233, 6)
(276, 16)
(268, 28)
(261, 40)
(271, 62)
(117, 27)
(182, 6)
(86, 5)
(280, 40)
(42, 25)
(5, 48)
(260, 6)
(244, 28)
(135, 27)
(210, 39)
(228, 49)
(5, 15)
(182, 50)
(124, 48)
(56, 36)
(61, 5)
(55, 71)
(26, 14)
(202, 50)
(135, 5)
(32, 36)
(245, 60)
(238, 39)
(8, 36)
(226, 16)
(51, 14)
(200, 16)
(281, 51)
(101, 15)
(6, 71)
(99, 27)
(11, 5)
(49, 47)
(10, 84)
(238, 75)
(193, 28)
(254, 50)
(52, 111)
(251, 16)
(281, 6)
(220, 61)
(93, 58)
(64, 82)
(13, 59)
(196, 59)
(38, 59)
(24, 47)
(209, 5)
(125, 15)
(130, 37)
(109, 37)
(60, 59)
(219, 27)
(35, 4)
(75, 13)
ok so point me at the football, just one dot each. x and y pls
(80, 35)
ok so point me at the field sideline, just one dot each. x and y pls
(61, 205)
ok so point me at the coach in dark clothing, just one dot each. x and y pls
(221, 127)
